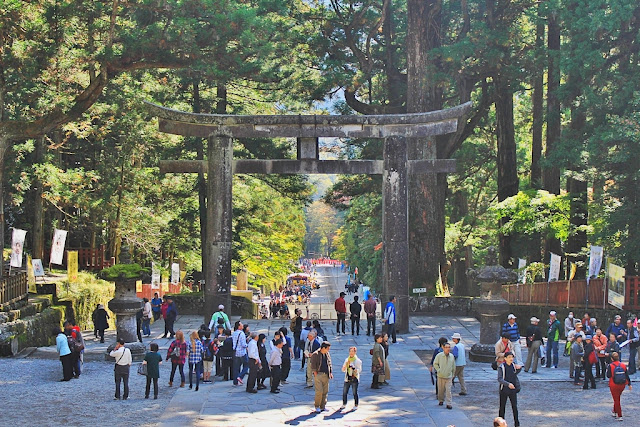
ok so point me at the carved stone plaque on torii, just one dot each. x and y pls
(397, 130)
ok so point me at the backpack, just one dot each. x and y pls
(208, 354)
(619, 374)
(292, 323)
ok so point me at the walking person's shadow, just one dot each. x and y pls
(301, 418)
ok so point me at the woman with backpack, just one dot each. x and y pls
(618, 378)
(177, 352)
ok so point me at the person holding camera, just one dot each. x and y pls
(351, 367)
(121, 370)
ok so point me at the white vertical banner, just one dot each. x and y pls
(554, 267)
(175, 272)
(155, 276)
(615, 284)
(522, 272)
(595, 261)
(57, 247)
(17, 246)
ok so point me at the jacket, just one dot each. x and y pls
(600, 344)
(553, 333)
(501, 349)
(357, 365)
(588, 349)
(341, 305)
(370, 306)
(510, 376)
(102, 321)
(533, 334)
(577, 351)
(445, 365)
(355, 309)
(617, 330)
(316, 361)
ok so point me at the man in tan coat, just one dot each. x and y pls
(322, 372)
(503, 345)
(445, 365)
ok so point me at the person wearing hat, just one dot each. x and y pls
(461, 361)
(509, 387)
(570, 340)
(511, 328)
(534, 341)
(553, 337)
(577, 352)
(220, 314)
(589, 361)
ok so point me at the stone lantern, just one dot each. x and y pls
(490, 306)
(125, 305)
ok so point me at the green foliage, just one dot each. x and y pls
(85, 295)
(123, 272)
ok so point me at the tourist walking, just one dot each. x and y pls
(122, 355)
(355, 308)
(341, 311)
(195, 359)
(351, 367)
(600, 346)
(156, 307)
(102, 321)
(240, 358)
(503, 346)
(322, 373)
(589, 359)
(634, 342)
(153, 360)
(618, 378)
(172, 314)
(76, 345)
(576, 354)
(177, 352)
(534, 341)
(377, 361)
(146, 318)
(296, 322)
(384, 379)
(264, 372)
(445, 366)
(210, 349)
(461, 361)
(275, 364)
(620, 332)
(303, 340)
(569, 325)
(226, 353)
(390, 318)
(64, 352)
(94, 319)
(553, 337)
(139, 324)
(513, 331)
(219, 318)
(509, 387)
(370, 307)
(287, 355)
(254, 363)
(441, 342)
(311, 345)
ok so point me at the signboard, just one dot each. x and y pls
(554, 267)
(57, 247)
(175, 273)
(17, 245)
(165, 287)
(522, 272)
(595, 261)
(72, 266)
(155, 276)
(31, 278)
(38, 270)
(615, 284)
(419, 290)
(139, 286)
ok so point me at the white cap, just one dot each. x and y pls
(221, 307)
(552, 313)
(534, 319)
(511, 316)
(456, 336)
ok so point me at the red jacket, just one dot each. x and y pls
(600, 343)
(341, 305)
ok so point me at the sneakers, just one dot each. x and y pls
(440, 403)
(239, 380)
(449, 407)
(318, 410)
(283, 382)
(342, 407)
(619, 419)
(462, 393)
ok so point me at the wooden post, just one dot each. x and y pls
(395, 229)
(219, 215)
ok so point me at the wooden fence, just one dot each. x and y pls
(13, 288)
(88, 259)
(574, 294)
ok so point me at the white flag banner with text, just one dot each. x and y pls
(595, 261)
(522, 272)
(554, 267)
(175, 272)
(155, 276)
(57, 247)
(17, 246)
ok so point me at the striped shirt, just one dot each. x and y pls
(511, 330)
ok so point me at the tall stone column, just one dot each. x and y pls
(395, 233)
(219, 216)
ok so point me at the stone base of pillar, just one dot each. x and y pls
(138, 350)
(482, 353)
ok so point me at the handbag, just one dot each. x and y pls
(175, 353)
(142, 369)
(593, 359)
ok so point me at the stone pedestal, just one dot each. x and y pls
(492, 313)
(125, 305)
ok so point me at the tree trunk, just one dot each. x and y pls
(38, 205)
(551, 173)
(507, 161)
(426, 191)
(538, 116)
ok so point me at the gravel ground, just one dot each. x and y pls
(548, 404)
(32, 394)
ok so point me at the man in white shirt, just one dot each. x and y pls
(122, 355)
(240, 357)
(275, 364)
(254, 362)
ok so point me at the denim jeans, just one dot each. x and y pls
(237, 362)
(345, 392)
(552, 346)
(146, 326)
(197, 367)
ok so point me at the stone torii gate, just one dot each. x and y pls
(396, 130)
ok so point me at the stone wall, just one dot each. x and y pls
(447, 306)
(191, 304)
(30, 327)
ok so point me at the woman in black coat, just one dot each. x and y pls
(262, 351)
(102, 321)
